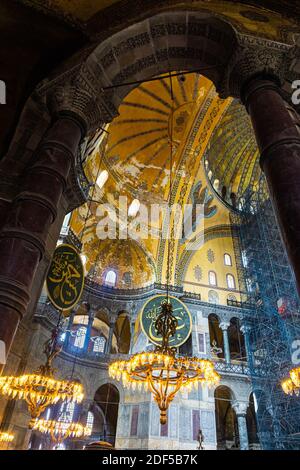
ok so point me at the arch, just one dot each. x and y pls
(199, 40)
(213, 297)
(212, 278)
(230, 279)
(226, 420)
(227, 259)
(216, 336)
(102, 313)
(110, 277)
(105, 409)
(123, 332)
(251, 419)
(80, 337)
(236, 341)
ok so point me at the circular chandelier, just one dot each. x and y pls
(41, 389)
(6, 437)
(291, 386)
(60, 430)
(160, 371)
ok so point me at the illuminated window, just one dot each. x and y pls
(99, 344)
(230, 281)
(80, 337)
(111, 278)
(63, 337)
(66, 412)
(227, 260)
(102, 178)
(90, 420)
(212, 278)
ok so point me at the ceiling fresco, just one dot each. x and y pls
(272, 20)
(210, 138)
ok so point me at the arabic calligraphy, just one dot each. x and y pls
(150, 313)
(65, 278)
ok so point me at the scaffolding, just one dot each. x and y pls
(269, 286)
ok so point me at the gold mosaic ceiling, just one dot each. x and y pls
(264, 18)
(197, 125)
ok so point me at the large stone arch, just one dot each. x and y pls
(79, 101)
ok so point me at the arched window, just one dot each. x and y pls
(99, 344)
(111, 278)
(213, 297)
(230, 281)
(216, 184)
(227, 260)
(66, 223)
(232, 298)
(66, 412)
(80, 337)
(212, 278)
(90, 420)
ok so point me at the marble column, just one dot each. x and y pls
(88, 330)
(69, 329)
(241, 409)
(224, 327)
(24, 234)
(110, 337)
(245, 330)
(278, 139)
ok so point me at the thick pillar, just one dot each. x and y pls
(24, 235)
(278, 140)
(241, 409)
(224, 327)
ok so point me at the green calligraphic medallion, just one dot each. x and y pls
(65, 279)
(152, 309)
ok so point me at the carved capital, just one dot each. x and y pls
(81, 97)
(224, 325)
(240, 407)
(255, 57)
(245, 329)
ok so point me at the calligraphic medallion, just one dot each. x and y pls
(65, 279)
(152, 309)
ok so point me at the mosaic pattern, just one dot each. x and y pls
(210, 256)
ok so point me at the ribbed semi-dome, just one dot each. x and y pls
(121, 264)
(232, 158)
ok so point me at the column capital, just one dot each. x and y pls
(245, 328)
(255, 57)
(240, 407)
(79, 95)
(224, 325)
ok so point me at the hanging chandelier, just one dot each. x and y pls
(6, 437)
(161, 372)
(60, 430)
(41, 389)
(291, 386)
